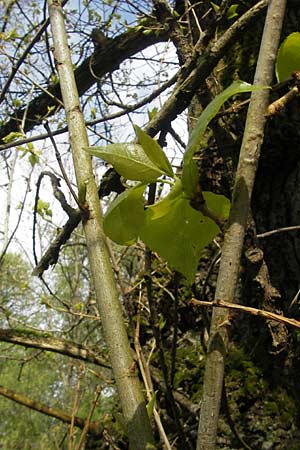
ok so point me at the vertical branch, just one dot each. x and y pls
(176, 278)
(75, 406)
(234, 237)
(11, 173)
(89, 418)
(124, 368)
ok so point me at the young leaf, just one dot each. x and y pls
(13, 136)
(33, 159)
(152, 113)
(154, 151)
(189, 176)
(231, 13)
(125, 216)
(178, 232)
(43, 208)
(215, 7)
(288, 57)
(129, 160)
(151, 404)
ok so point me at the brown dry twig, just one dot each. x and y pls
(75, 406)
(249, 310)
(88, 420)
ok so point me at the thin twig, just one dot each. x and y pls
(277, 231)
(75, 406)
(230, 419)
(275, 107)
(176, 279)
(88, 123)
(249, 310)
(61, 166)
(144, 368)
(89, 417)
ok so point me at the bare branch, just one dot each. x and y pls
(102, 61)
(94, 427)
(42, 341)
(249, 310)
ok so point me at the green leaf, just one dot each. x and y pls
(17, 103)
(126, 216)
(151, 404)
(13, 136)
(152, 113)
(231, 13)
(178, 232)
(154, 151)
(162, 322)
(129, 160)
(215, 7)
(189, 174)
(288, 57)
(33, 158)
(219, 204)
(189, 177)
(43, 208)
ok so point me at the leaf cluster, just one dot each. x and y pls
(187, 219)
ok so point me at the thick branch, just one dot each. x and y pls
(45, 342)
(194, 74)
(51, 255)
(101, 62)
(110, 183)
(94, 427)
(106, 60)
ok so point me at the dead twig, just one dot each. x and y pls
(75, 406)
(89, 417)
(144, 368)
(249, 310)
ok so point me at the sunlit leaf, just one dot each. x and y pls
(154, 151)
(33, 159)
(125, 216)
(13, 136)
(189, 175)
(231, 13)
(288, 58)
(43, 208)
(152, 113)
(129, 160)
(178, 232)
